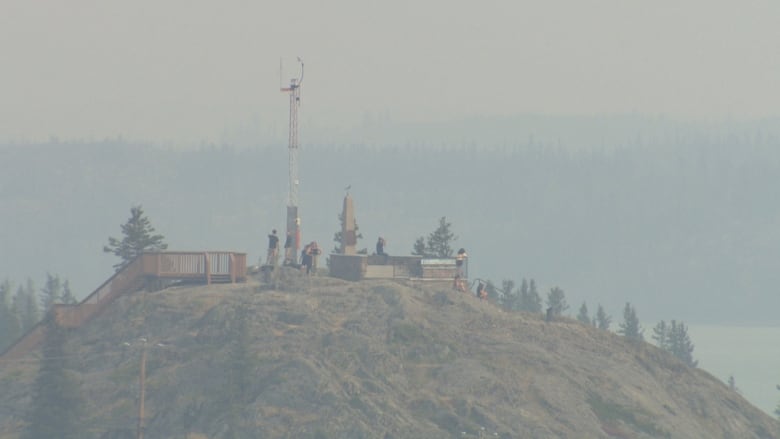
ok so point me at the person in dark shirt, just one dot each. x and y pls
(380, 246)
(273, 248)
(482, 292)
(309, 257)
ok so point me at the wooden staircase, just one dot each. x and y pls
(202, 267)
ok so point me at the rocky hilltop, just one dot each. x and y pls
(299, 357)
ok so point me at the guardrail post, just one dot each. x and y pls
(232, 268)
(207, 265)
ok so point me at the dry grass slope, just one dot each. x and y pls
(379, 359)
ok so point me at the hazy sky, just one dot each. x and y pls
(187, 71)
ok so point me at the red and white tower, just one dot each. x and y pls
(293, 220)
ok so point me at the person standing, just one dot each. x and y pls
(288, 249)
(314, 252)
(273, 248)
(380, 246)
(460, 262)
(306, 261)
(460, 269)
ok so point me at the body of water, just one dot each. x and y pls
(748, 353)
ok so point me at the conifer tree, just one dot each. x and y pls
(674, 338)
(679, 343)
(583, 316)
(529, 298)
(630, 327)
(556, 299)
(602, 320)
(26, 304)
(18, 307)
(510, 300)
(51, 292)
(661, 335)
(67, 294)
(732, 382)
(437, 245)
(492, 291)
(523, 288)
(777, 409)
(10, 326)
(439, 241)
(138, 237)
(418, 249)
(57, 407)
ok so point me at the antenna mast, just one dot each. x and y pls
(293, 220)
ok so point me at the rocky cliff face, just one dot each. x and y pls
(323, 358)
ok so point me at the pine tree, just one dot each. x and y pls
(418, 249)
(57, 407)
(661, 335)
(492, 291)
(523, 288)
(583, 314)
(630, 327)
(680, 344)
(529, 298)
(26, 304)
(67, 294)
(733, 384)
(18, 303)
(138, 238)
(556, 299)
(777, 409)
(602, 320)
(674, 338)
(51, 292)
(10, 326)
(510, 300)
(438, 244)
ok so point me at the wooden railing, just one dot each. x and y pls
(356, 267)
(119, 283)
(208, 266)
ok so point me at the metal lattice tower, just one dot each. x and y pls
(293, 220)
